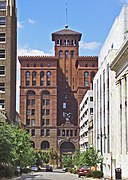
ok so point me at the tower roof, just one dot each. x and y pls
(66, 32)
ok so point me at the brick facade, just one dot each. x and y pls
(53, 117)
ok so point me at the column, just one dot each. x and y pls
(123, 116)
(118, 87)
(127, 106)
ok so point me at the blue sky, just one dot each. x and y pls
(37, 19)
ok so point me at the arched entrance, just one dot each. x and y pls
(66, 148)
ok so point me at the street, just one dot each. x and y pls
(55, 175)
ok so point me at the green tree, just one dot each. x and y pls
(67, 161)
(92, 157)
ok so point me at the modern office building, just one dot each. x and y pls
(8, 41)
(51, 90)
(110, 99)
(86, 128)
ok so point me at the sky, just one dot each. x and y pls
(38, 19)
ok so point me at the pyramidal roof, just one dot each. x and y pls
(64, 32)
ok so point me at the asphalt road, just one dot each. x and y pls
(55, 175)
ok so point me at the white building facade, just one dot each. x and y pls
(107, 130)
(86, 112)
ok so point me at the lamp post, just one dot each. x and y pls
(100, 136)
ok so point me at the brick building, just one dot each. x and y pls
(51, 90)
(8, 41)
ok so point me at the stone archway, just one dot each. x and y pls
(66, 148)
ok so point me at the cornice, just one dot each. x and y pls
(37, 58)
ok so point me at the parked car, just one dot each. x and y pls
(34, 168)
(49, 168)
(84, 171)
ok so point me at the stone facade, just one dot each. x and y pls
(8, 41)
(51, 90)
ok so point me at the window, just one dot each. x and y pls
(47, 132)
(47, 122)
(2, 5)
(86, 83)
(86, 74)
(2, 21)
(60, 54)
(33, 132)
(49, 64)
(2, 70)
(42, 132)
(42, 65)
(41, 74)
(66, 79)
(2, 86)
(33, 122)
(48, 74)
(27, 74)
(33, 112)
(47, 102)
(91, 98)
(42, 83)
(47, 112)
(86, 65)
(34, 65)
(2, 53)
(2, 37)
(48, 83)
(27, 65)
(93, 65)
(66, 54)
(2, 104)
(28, 122)
(64, 105)
(71, 132)
(91, 110)
(63, 132)
(33, 101)
(42, 122)
(72, 54)
(27, 83)
(28, 112)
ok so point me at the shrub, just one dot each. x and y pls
(6, 171)
(97, 174)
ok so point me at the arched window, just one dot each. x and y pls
(66, 54)
(60, 54)
(72, 54)
(33, 144)
(33, 78)
(45, 145)
(92, 77)
(48, 76)
(27, 76)
(42, 78)
(86, 78)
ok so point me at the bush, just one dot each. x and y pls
(6, 171)
(97, 174)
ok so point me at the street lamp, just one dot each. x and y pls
(100, 136)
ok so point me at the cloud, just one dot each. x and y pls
(19, 25)
(31, 21)
(25, 51)
(89, 45)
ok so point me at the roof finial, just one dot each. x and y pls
(66, 17)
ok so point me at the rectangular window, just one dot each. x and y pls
(47, 112)
(2, 86)
(91, 98)
(33, 82)
(2, 37)
(2, 21)
(2, 53)
(27, 83)
(42, 132)
(28, 122)
(28, 102)
(33, 112)
(75, 132)
(47, 122)
(71, 132)
(43, 112)
(28, 112)
(42, 122)
(33, 132)
(47, 132)
(2, 5)
(42, 83)
(91, 110)
(33, 101)
(2, 104)
(64, 105)
(33, 122)
(47, 102)
(48, 83)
